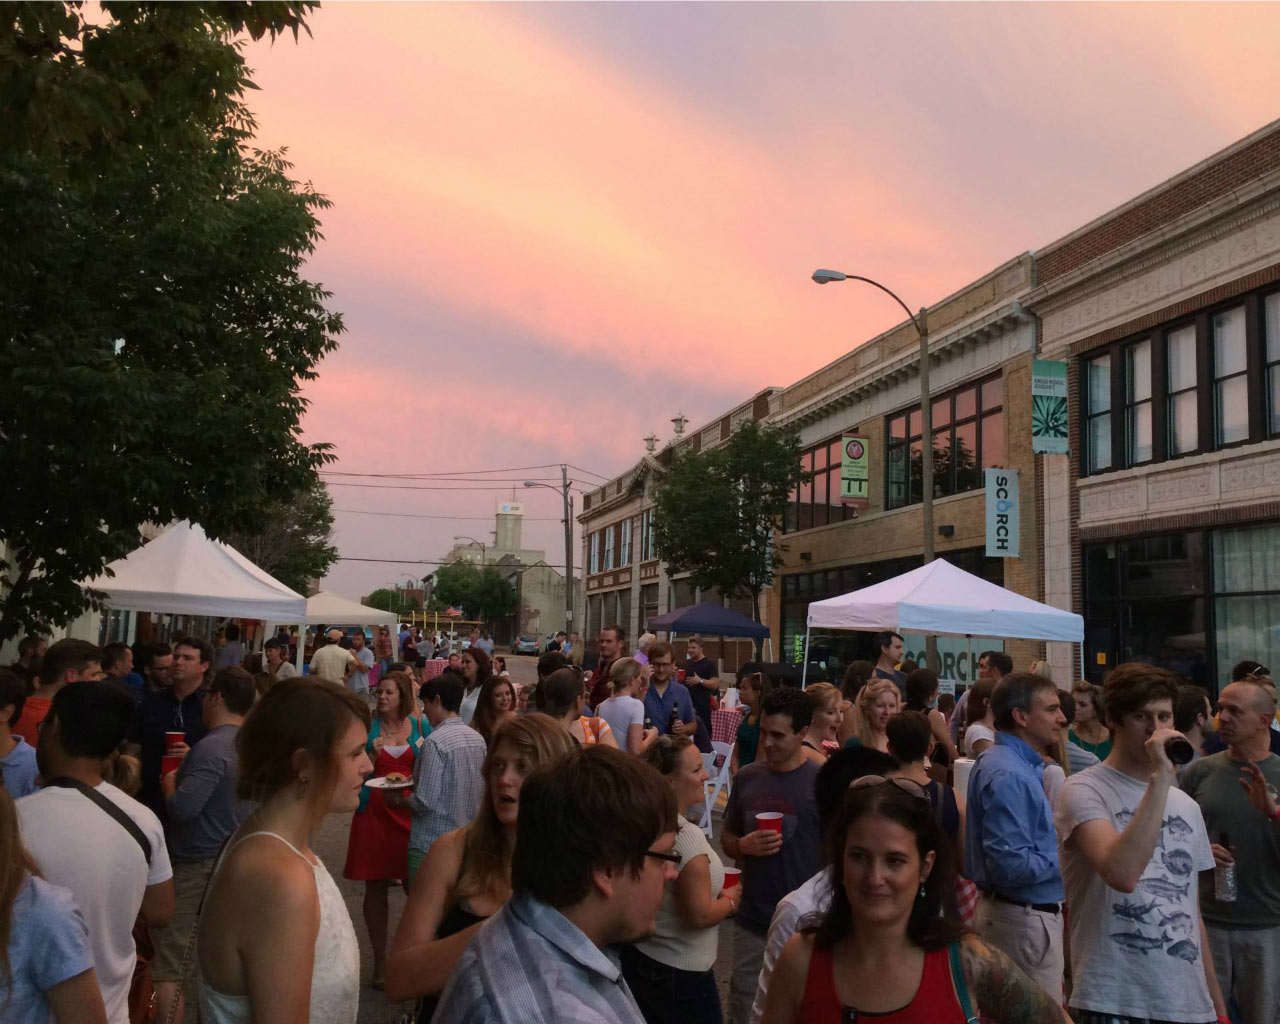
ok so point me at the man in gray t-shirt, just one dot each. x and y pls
(773, 863)
(1245, 934)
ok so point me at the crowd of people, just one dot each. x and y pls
(157, 825)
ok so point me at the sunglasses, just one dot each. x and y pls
(906, 785)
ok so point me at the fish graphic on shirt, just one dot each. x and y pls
(1164, 888)
(1140, 943)
(1178, 919)
(1184, 949)
(1178, 827)
(1179, 862)
(1132, 911)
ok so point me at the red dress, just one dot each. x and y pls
(935, 1000)
(378, 849)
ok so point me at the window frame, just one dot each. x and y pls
(1132, 405)
(609, 547)
(593, 547)
(911, 433)
(804, 505)
(624, 542)
(1270, 367)
(1166, 335)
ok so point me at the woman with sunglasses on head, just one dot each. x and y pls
(466, 876)
(670, 973)
(890, 947)
(752, 690)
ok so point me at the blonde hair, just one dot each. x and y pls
(862, 707)
(124, 771)
(820, 695)
(1040, 667)
(486, 853)
(623, 673)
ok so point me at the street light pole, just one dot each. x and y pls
(568, 539)
(920, 321)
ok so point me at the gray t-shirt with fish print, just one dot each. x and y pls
(1136, 954)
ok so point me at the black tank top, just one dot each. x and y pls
(458, 919)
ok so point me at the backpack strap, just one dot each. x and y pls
(111, 808)
(959, 984)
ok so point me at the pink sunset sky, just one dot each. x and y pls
(556, 226)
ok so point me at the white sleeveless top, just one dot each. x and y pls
(335, 975)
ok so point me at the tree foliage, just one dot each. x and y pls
(292, 544)
(716, 512)
(390, 600)
(155, 326)
(484, 593)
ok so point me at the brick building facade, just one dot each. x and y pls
(1163, 524)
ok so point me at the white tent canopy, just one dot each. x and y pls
(183, 572)
(940, 599)
(329, 608)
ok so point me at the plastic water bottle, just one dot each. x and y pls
(1224, 878)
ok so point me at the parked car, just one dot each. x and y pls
(525, 645)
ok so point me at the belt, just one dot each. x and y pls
(1044, 908)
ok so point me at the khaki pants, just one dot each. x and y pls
(1032, 939)
(1248, 964)
(189, 879)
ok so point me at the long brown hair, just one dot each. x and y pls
(484, 667)
(15, 865)
(486, 853)
(485, 720)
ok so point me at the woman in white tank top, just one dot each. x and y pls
(275, 940)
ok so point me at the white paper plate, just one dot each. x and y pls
(382, 783)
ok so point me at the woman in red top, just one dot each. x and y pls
(889, 949)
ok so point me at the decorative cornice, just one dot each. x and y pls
(1002, 320)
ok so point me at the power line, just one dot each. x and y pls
(587, 471)
(455, 472)
(515, 480)
(436, 561)
(418, 515)
(413, 487)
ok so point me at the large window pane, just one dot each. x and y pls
(1100, 443)
(916, 464)
(1138, 372)
(898, 427)
(1181, 356)
(1184, 431)
(1099, 384)
(942, 468)
(1247, 560)
(1139, 433)
(820, 458)
(1228, 342)
(833, 493)
(915, 422)
(965, 454)
(1247, 628)
(993, 449)
(1271, 320)
(966, 403)
(897, 496)
(941, 412)
(820, 505)
(1233, 409)
(993, 393)
(1273, 382)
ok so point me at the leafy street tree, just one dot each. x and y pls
(391, 601)
(293, 542)
(155, 326)
(483, 593)
(716, 512)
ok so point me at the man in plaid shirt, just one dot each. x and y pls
(448, 779)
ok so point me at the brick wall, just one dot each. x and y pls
(1164, 205)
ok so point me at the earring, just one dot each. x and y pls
(922, 890)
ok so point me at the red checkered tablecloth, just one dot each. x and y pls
(724, 724)
(431, 669)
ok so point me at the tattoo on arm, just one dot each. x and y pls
(1002, 990)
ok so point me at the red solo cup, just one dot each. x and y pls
(680, 675)
(172, 739)
(732, 877)
(169, 764)
(769, 821)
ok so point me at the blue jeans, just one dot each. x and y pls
(668, 995)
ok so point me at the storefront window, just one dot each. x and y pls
(1246, 569)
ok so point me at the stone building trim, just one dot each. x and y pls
(1227, 516)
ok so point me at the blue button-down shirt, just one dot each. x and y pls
(657, 707)
(448, 782)
(19, 768)
(1010, 846)
(529, 964)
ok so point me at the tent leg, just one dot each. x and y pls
(1081, 645)
(300, 661)
(804, 672)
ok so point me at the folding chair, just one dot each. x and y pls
(717, 766)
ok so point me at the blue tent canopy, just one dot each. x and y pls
(709, 619)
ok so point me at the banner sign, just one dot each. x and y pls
(1049, 407)
(1002, 513)
(958, 657)
(854, 469)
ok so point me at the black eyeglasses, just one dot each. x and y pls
(908, 786)
(670, 858)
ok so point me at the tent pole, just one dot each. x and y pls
(804, 672)
(300, 661)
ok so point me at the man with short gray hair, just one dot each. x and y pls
(1011, 847)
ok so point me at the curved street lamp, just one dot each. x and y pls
(920, 321)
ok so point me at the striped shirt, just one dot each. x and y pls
(448, 782)
(529, 964)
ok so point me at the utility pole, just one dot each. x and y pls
(568, 548)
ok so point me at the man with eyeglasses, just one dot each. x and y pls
(1010, 845)
(177, 708)
(667, 703)
(594, 881)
